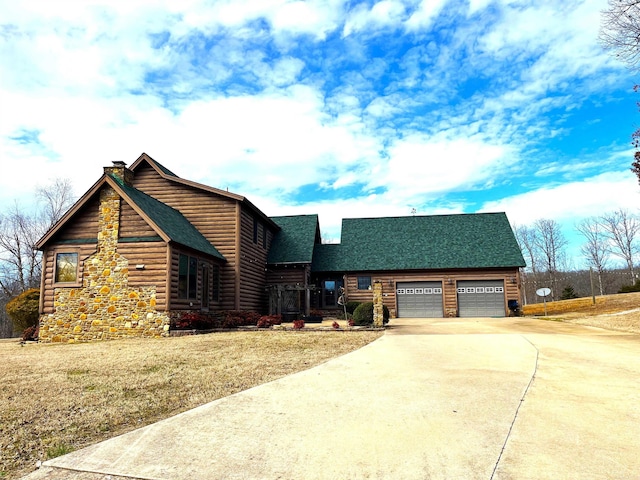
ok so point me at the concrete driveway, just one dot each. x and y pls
(431, 399)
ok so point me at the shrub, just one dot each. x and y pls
(195, 321)
(363, 314)
(568, 293)
(351, 306)
(30, 334)
(240, 318)
(266, 321)
(630, 288)
(24, 308)
(298, 324)
(335, 325)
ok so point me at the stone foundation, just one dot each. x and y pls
(105, 307)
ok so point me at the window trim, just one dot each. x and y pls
(361, 280)
(78, 278)
(184, 294)
(205, 286)
(216, 283)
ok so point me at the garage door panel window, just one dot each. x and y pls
(479, 298)
(420, 299)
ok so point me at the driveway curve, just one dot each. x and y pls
(431, 399)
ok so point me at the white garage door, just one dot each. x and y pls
(481, 298)
(419, 299)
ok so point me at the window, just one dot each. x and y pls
(216, 283)
(364, 283)
(187, 276)
(264, 236)
(66, 267)
(205, 286)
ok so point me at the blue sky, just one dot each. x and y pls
(341, 108)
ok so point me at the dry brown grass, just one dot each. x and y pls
(58, 398)
(614, 312)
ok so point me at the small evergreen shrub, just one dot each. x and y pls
(351, 306)
(363, 314)
(298, 324)
(335, 325)
(23, 309)
(568, 293)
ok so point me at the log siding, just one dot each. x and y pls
(449, 279)
(213, 215)
(138, 253)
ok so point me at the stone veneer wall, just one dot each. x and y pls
(105, 307)
(378, 309)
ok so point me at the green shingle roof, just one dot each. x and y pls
(165, 169)
(483, 240)
(170, 221)
(295, 241)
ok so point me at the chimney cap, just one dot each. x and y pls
(118, 163)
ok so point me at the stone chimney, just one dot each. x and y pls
(120, 171)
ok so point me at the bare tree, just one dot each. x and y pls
(621, 229)
(620, 33)
(20, 262)
(527, 241)
(596, 247)
(57, 198)
(551, 244)
(620, 30)
(20, 268)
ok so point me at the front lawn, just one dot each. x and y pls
(59, 398)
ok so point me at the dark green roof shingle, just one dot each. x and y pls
(170, 221)
(295, 241)
(483, 240)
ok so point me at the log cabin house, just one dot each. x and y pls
(143, 246)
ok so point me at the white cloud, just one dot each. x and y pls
(572, 201)
(424, 15)
(381, 14)
(419, 164)
(264, 96)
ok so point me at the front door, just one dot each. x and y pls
(330, 293)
